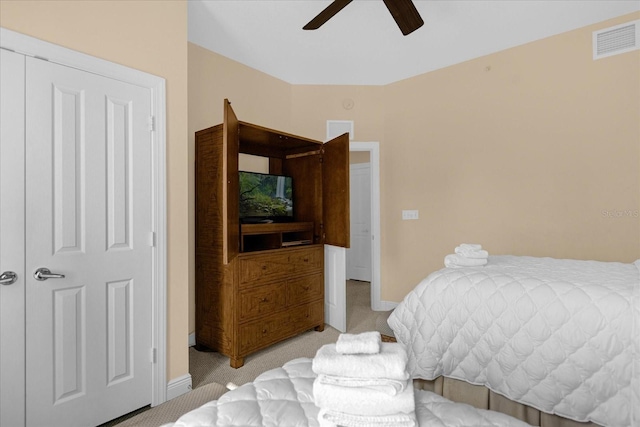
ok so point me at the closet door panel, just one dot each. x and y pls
(12, 249)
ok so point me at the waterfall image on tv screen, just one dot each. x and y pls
(265, 197)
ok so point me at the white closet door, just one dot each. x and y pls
(88, 217)
(12, 328)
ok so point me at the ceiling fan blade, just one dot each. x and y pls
(405, 14)
(326, 14)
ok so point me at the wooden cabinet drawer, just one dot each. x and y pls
(260, 333)
(305, 317)
(305, 289)
(262, 300)
(283, 263)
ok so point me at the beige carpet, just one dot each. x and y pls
(210, 370)
(170, 411)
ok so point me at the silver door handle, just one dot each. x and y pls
(44, 273)
(8, 278)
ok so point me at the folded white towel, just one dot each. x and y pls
(470, 246)
(362, 401)
(366, 342)
(456, 260)
(328, 418)
(390, 363)
(471, 253)
(384, 385)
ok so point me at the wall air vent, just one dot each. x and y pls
(615, 40)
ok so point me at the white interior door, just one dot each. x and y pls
(88, 217)
(359, 254)
(12, 362)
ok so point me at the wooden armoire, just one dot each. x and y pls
(257, 284)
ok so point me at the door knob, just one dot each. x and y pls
(8, 278)
(44, 273)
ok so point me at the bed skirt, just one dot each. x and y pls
(483, 398)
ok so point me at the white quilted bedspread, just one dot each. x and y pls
(283, 397)
(558, 335)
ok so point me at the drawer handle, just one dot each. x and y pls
(264, 331)
(264, 267)
(306, 259)
(265, 299)
(306, 288)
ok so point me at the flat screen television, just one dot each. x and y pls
(265, 198)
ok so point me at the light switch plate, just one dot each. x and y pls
(409, 214)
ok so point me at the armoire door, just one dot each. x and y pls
(335, 213)
(87, 272)
(335, 191)
(230, 185)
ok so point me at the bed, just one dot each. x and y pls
(283, 397)
(546, 340)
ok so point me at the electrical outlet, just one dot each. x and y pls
(412, 214)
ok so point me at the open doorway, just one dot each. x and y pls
(335, 257)
(363, 259)
(359, 253)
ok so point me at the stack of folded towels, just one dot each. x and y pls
(467, 255)
(362, 381)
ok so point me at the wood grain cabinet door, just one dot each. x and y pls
(335, 191)
(230, 184)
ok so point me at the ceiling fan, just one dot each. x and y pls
(403, 11)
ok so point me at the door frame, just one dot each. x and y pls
(374, 160)
(30, 46)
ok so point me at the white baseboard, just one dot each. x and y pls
(387, 305)
(192, 339)
(179, 386)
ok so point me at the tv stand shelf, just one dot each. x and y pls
(260, 237)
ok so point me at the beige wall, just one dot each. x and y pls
(524, 151)
(356, 157)
(313, 105)
(157, 44)
(255, 97)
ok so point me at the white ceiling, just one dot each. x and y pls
(362, 44)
